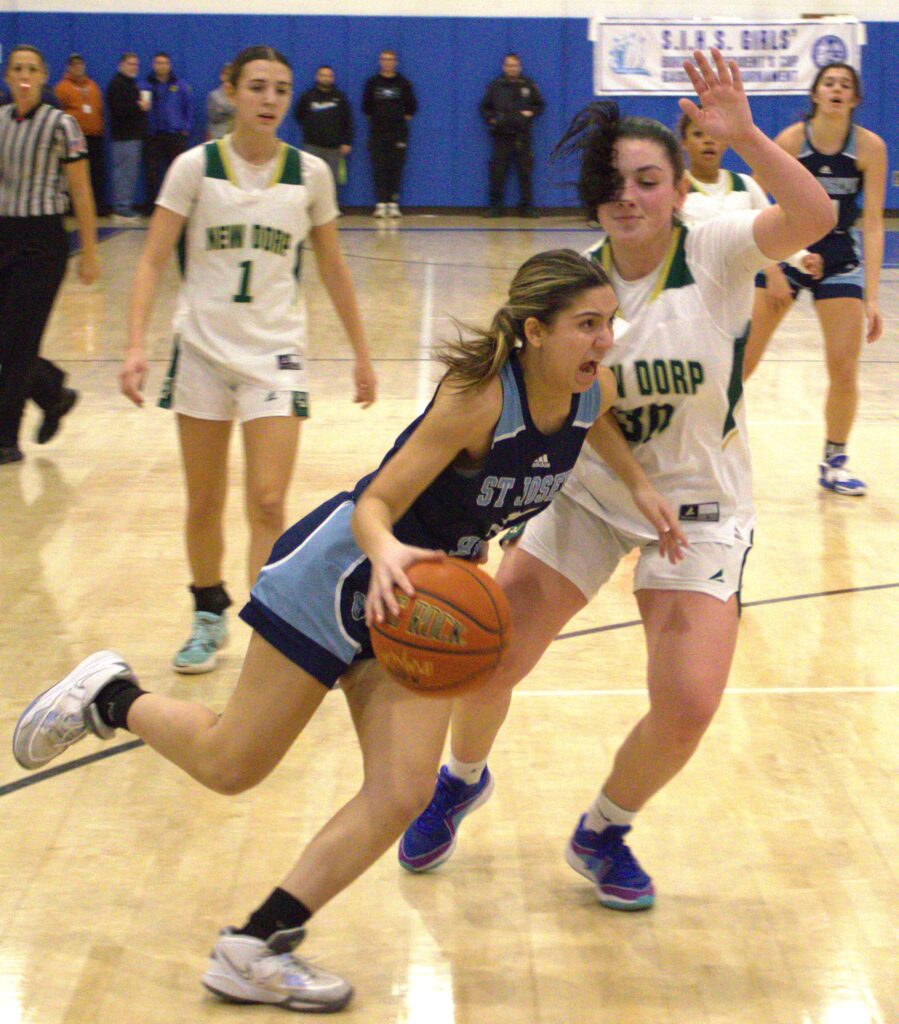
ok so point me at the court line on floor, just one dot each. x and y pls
(101, 755)
(746, 604)
(745, 691)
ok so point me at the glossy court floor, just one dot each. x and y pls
(774, 853)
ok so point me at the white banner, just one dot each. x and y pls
(635, 56)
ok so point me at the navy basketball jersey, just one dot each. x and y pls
(842, 180)
(519, 476)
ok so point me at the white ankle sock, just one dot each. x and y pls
(603, 813)
(468, 772)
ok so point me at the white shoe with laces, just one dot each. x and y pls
(243, 969)
(381, 210)
(834, 475)
(393, 210)
(65, 713)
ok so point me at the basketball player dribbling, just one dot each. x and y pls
(493, 448)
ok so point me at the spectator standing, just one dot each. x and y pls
(168, 123)
(219, 108)
(80, 97)
(324, 116)
(509, 106)
(389, 104)
(127, 127)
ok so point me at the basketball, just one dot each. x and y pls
(450, 636)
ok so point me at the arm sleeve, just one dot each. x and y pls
(487, 109)
(320, 190)
(299, 110)
(410, 103)
(346, 134)
(368, 99)
(182, 182)
(756, 193)
(69, 140)
(724, 259)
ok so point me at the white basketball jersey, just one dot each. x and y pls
(239, 302)
(730, 193)
(678, 361)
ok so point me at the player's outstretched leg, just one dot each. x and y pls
(431, 838)
(65, 713)
(604, 858)
(243, 969)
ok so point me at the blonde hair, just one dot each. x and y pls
(543, 287)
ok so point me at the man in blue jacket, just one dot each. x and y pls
(168, 123)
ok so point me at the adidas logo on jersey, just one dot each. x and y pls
(540, 463)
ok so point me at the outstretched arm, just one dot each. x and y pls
(803, 212)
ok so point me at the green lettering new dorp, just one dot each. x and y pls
(644, 378)
(697, 375)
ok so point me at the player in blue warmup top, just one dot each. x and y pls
(494, 446)
(846, 159)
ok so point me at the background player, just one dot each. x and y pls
(525, 391)
(245, 205)
(684, 300)
(845, 158)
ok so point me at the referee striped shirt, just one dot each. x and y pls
(32, 151)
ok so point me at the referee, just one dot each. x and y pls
(42, 157)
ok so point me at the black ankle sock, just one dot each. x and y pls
(211, 599)
(115, 699)
(280, 911)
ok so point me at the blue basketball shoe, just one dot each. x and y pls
(431, 838)
(834, 475)
(604, 858)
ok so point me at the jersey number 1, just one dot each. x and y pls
(246, 272)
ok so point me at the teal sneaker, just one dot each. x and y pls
(200, 650)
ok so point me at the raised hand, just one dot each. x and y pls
(723, 110)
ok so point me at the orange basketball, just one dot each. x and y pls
(449, 637)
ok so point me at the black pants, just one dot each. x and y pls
(33, 256)
(388, 154)
(159, 152)
(95, 145)
(509, 149)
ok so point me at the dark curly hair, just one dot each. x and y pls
(592, 135)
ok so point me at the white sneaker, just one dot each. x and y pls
(834, 475)
(381, 210)
(65, 713)
(247, 970)
(393, 210)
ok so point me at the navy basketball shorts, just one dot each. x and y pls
(309, 599)
(841, 282)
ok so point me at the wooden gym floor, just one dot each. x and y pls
(774, 853)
